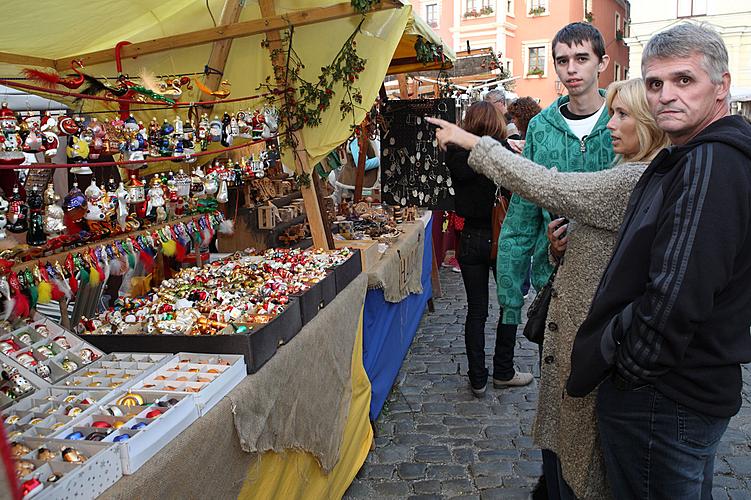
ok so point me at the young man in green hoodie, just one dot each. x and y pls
(568, 135)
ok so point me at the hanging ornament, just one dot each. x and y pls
(226, 136)
(223, 195)
(136, 190)
(78, 152)
(96, 135)
(155, 199)
(4, 207)
(122, 196)
(51, 79)
(53, 214)
(17, 215)
(189, 147)
(35, 235)
(215, 130)
(10, 139)
(74, 209)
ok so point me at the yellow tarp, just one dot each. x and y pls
(54, 29)
(296, 474)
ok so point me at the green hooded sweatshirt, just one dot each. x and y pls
(550, 142)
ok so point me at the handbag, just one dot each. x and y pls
(537, 314)
(498, 215)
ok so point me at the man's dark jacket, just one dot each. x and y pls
(673, 307)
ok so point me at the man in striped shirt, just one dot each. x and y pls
(669, 325)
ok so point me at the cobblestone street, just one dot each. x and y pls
(435, 440)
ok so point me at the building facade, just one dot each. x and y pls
(520, 32)
(730, 18)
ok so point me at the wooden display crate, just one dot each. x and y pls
(369, 254)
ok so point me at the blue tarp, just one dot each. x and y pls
(388, 330)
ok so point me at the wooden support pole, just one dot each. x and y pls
(268, 23)
(403, 91)
(220, 49)
(362, 143)
(319, 228)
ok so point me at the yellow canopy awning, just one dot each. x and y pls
(58, 30)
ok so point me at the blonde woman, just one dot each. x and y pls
(594, 203)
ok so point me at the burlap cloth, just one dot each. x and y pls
(399, 271)
(299, 400)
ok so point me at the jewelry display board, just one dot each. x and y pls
(413, 170)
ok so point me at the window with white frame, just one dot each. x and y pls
(617, 22)
(617, 72)
(537, 7)
(690, 8)
(431, 14)
(475, 8)
(536, 60)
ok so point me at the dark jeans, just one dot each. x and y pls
(654, 447)
(476, 264)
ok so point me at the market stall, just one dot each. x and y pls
(166, 351)
(391, 324)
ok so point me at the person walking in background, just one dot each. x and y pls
(474, 199)
(572, 138)
(669, 325)
(497, 97)
(595, 203)
(522, 111)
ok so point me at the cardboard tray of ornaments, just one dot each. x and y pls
(256, 342)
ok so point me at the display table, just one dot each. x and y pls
(388, 327)
(297, 401)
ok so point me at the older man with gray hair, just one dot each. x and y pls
(669, 325)
(497, 97)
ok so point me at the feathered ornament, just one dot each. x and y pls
(31, 287)
(44, 287)
(169, 248)
(45, 292)
(227, 226)
(83, 273)
(72, 272)
(222, 92)
(58, 276)
(149, 81)
(146, 258)
(95, 270)
(51, 79)
(9, 302)
(106, 268)
(21, 308)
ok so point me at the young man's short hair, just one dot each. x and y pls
(577, 34)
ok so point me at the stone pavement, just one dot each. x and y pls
(435, 440)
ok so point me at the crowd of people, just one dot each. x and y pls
(634, 204)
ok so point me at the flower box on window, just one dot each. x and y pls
(537, 11)
(536, 72)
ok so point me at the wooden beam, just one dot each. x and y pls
(319, 228)
(403, 90)
(268, 23)
(362, 144)
(20, 60)
(220, 49)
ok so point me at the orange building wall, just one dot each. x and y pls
(603, 12)
(536, 28)
(521, 27)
